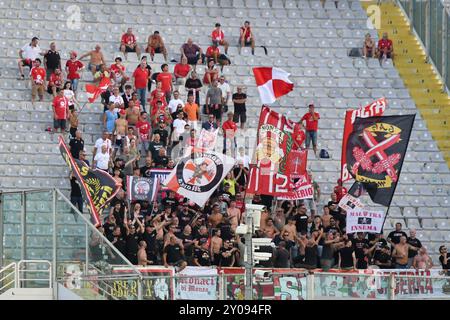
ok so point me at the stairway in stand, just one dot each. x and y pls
(424, 85)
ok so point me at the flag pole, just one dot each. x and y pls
(81, 109)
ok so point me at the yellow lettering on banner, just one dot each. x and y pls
(386, 128)
(386, 183)
(84, 171)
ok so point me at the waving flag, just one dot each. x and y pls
(272, 83)
(97, 186)
(375, 152)
(376, 108)
(93, 91)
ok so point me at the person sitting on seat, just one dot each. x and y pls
(218, 35)
(368, 46)
(128, 43)
(246, 38)
(213, 52)
(385, 48)
(155, 44)
(192, 52)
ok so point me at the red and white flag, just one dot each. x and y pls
(272, 83)
(93, 91)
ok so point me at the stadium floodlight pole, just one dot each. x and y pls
(249, 252)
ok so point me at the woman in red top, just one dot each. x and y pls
(55, 83)
(73, 66)
(247, 38)
(211, 73)
(155, 96)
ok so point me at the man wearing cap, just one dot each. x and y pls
(312, 123)
(128, 43)
(118, 73)
(218, 35)
(229, 129)
(73, 66)
(155, 44)
(38, 80)
(28, 54)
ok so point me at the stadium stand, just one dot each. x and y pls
(308, 40)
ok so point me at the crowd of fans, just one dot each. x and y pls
(143, 125)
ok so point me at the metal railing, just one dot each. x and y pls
(8, 277)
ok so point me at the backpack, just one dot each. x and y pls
(324, 154)
(355, 52)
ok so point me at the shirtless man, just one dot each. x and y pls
(155, 44)
(216, 245)
(264, 216)
(400, 253)
(121, 129)
(96, 59)
(270, 231)
(326, 217)
(142, 254)
(422, 260)
(216, 217)
(133, 113)
(234, 215)
(290, 228)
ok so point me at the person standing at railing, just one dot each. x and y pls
(444, 259)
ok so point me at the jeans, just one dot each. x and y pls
(142, 92)
(233, 146)
(78, 203)
(74, 83)
(311, 135)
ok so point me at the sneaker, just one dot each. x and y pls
(22, 77)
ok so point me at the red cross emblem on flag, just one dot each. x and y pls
(385, 164)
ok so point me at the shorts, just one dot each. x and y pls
(155, 50)
(27, 63)
(37, 89)
(311, 135)
(119, 143)
(223, 58)
(239, 116)
(217, 112)
(59, 123)
(221, 42)
(97, 66)
(176, 263)
(128, 49)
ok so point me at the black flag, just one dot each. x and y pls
(97, 186)
(375, 153)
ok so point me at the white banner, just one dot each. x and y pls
(361, 220)
(303, 189)
(201, 286)
(349, 202)
(199, 174)
(207, 139)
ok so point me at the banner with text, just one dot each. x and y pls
(361, 220)
(197, 283)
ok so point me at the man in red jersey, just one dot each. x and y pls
(181, 71)
(312, 124)
(140, 76)
(229, 129)
(218, 35)
(143, 132)
(72, 67)
(340, 190)
(60, 111)
(128, 43)
(213, 52)
(385, 48)
(246, 37)
(165, 77)
(118, 73)
(55, 83)
(38, 76)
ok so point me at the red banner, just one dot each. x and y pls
(376, 108)
(270, 172)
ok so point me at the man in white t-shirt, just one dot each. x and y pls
(226, 91)
(28, 54)
(100, 142)
(243, 157)
(101, 159)
(117, 99)
(178, 124)
(173, 104)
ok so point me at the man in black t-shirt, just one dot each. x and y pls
(163, 134)
(76, 145)
(173, 254)
(347, 259)
(227, 254)
(444, 259)
(170, 201)
(336, 211)
(240, 111)
(332, 227)
(415, 245)
(76, 197)
(155, 145)
(52, 60)
(145, 170)
(120, 244)
(360, 246)
(301, 219)
(161, 160)
(394, 236)
(202, 256)
(382, 257)
(132, 241)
